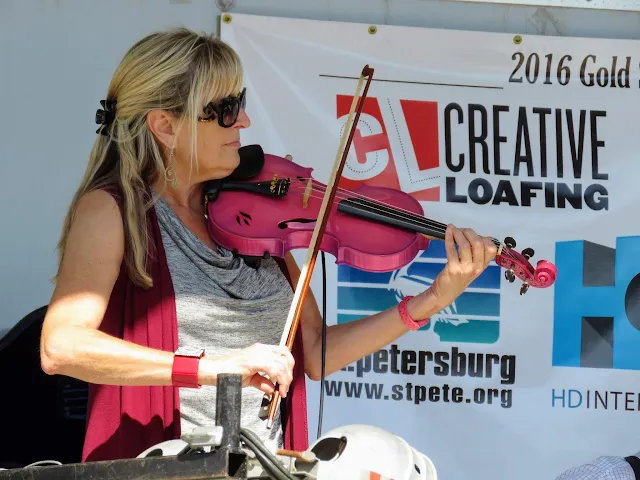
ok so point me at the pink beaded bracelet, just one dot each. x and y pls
(406, 318)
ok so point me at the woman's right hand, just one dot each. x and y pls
(276, 361)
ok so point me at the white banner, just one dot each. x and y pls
(530, 137)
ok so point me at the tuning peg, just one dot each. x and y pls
(509, 275)
(528, 253)
(524, 288)
(510, 242)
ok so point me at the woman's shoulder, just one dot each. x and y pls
(103, 203)
(110, 193)
(94, 245)
(98, 220)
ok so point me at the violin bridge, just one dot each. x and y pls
(307, 194)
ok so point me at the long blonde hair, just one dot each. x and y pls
(178, 71)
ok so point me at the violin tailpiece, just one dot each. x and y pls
(272, 188)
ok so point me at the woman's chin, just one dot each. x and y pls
(232, 163)
(221, 171)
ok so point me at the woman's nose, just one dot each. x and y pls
(243, 120)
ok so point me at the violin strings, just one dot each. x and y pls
(394, 212)
(414, 217)
(409, 215)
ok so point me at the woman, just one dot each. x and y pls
(139, 276)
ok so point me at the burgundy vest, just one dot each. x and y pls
(124, 421)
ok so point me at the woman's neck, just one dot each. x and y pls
(184, 198)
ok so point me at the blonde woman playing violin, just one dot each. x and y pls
(142, 291)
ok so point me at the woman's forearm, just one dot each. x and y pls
(349, 342)
(95, 357)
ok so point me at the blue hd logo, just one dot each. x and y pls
(597, 305)
(473, 318)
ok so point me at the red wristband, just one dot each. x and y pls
(406, 318)
(185, 371)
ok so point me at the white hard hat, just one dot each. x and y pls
(365, 452)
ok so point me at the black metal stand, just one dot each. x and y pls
(229, 410)
(227, 461)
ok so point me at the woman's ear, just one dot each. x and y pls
(162, 125)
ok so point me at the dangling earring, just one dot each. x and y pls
(170, 173)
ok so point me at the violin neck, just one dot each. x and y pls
(377, 212)
(384, 214)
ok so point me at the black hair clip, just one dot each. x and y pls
(105, 115)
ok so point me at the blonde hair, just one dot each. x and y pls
(179, 71)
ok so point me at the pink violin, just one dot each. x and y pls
(270, 205)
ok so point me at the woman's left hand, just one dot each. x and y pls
(463, 266)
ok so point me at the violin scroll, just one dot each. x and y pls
(518, 265)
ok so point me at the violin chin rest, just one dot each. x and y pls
(251, 163)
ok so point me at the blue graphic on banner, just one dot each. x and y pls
(473, 318)
(597, 305)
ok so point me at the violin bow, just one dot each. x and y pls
(293, 319)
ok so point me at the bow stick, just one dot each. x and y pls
(293, 319)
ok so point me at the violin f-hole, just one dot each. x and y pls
(294, 222)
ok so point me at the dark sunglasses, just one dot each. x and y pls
(226, 110)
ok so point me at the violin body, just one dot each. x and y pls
(260, 225)
(270, 206)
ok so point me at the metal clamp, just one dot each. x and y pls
(204, 437)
